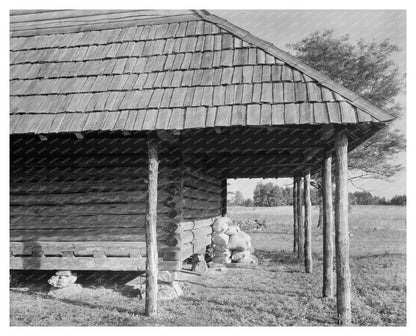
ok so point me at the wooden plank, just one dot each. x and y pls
(199, 173)
(308, 222)
(278, 92)
(266, 93)
(266, 115)
(196, 204)
(84, 198)
(291, 114)
(314, 92)
(151, 235)
(362, 116)
(287, 75)
(177, 119)
(77, 263)
(348, 114)
(78, 186)
(201, 194)
(81, 222)
(300, 92)
(327, 95)
(328, 227)
(278, 117)
(342, 243)
(103, 24)
(238, 116)
(80, 249)
(320, 113)
(149, 122)
(305, 112)
(223, 117)
(188, 236)
(253, 114)
(334, 112)
(201, 213)
(200, 184)
(195, 117)
(81, 209)
(289, 92)
(104, 234)
(196, 224)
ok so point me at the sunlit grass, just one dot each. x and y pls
(277, 292)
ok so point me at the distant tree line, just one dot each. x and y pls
(271, 195)
(366, 198)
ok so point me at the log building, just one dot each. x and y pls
(125, 125)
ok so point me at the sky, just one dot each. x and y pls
(281, 27)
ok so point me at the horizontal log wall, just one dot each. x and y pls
(202, 194)
(71, 189)
(202, 205)
(94, 190)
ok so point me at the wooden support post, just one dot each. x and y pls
(299, 207)
(151, 220)
(328, 227)
(308, 221)
(341, 231)
(224, 196)
(295, 217)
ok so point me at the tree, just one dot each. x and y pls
(268, 195)
(367, 69)
(248, 202)
(238, 198)
(398, 200)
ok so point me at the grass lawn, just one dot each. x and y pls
(276, 293)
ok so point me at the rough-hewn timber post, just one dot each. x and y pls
(295, 217)
(224, 196)
(299, 207)
(151, 219)
(328, 227)
(341, 231)
(308, 221)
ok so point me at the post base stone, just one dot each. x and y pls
(63, 279)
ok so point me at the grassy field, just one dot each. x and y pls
(276, 293)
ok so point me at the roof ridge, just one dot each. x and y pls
(76, 25)
(292, 61)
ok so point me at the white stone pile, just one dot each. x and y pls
(231, 244)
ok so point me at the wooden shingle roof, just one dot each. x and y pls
(80, 71)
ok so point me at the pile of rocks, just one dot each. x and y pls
(231, 244)
(63, 279)
(252, 225)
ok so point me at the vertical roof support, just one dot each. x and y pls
(224, 196)
(328, 226)
(342, 243)
(308, 221)
(299, 206)
(151, 221)
(295, 217)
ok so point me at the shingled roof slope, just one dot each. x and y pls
(78, 71)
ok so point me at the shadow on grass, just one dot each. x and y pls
(378, 255)
(78, 303)
(281, 257)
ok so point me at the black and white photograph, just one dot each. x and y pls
(206, 167)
